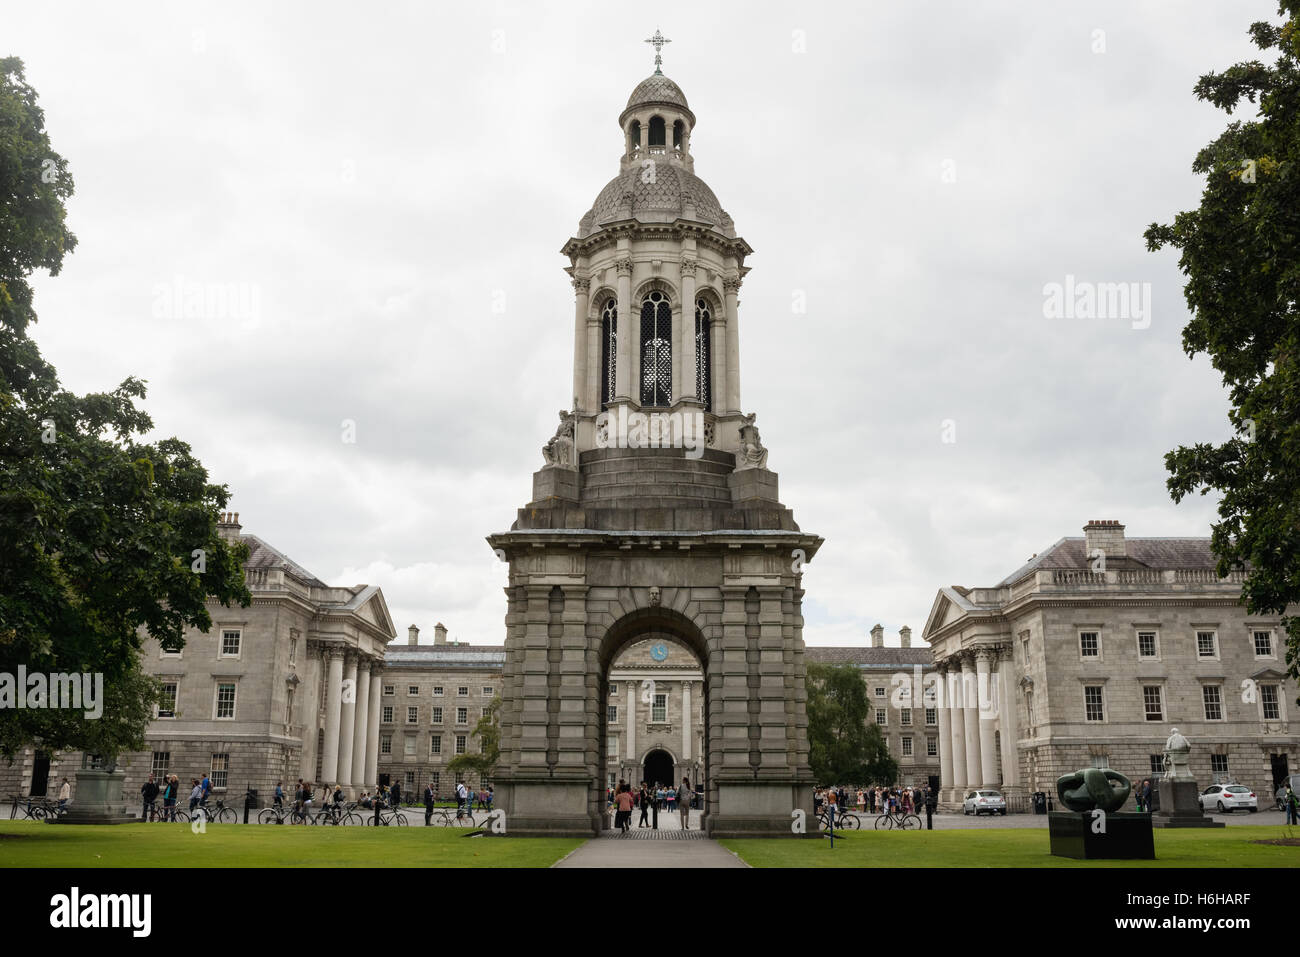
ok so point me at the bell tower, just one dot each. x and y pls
(654, 512)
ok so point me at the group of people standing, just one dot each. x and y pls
(657, 797)
(169, 790)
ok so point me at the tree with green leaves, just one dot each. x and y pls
(104, 537)
(845, 747)
(488, 732)
(1240, 251)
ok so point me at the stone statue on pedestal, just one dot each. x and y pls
(1176, 762)
(1180, 803)
(751, 454)
(559, 450)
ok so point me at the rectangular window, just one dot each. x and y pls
(165, 653)
(1157, 763)
(931, 717)
(1269, 699)
(293, 650)
(611, 747)
(387, 717)
(385, 744)
(225, 700)
(1024, 652)
(880, 692)
(390, 689)
(1089, 645)
(462, 715)
(437, 691)
(1219, 765)
(410, 782)
(880, 716)
(437, 715)
(460, 744)
(220, 769)
(412, 715)
(483, 712)
(288, 707)
(488, 691)
(659, 710)
(1101, 760)
(462, 691)
(907, 747)
(162, 760)
(905, 718)
(167, 706)
(435, 744)
(92, 762)
(1146, 644)
(611, 714)
(433, 780)
(230, 644)
(1263, 644)
(932, 747)
(1151, 703)
(613, 688)
(408, 745)
(413, 691)
(1093, 708)
(1211, 696)
(1206, 644)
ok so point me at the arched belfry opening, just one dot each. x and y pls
(655, 520)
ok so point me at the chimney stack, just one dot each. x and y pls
(413, 635)
(228, 526)
(439, 634)
(1106, 536)
(878, 637)
(905, 635)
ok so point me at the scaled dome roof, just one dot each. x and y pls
(657, 89)
(660, 201)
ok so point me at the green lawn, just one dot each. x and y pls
(32, 844)
(1013, 847)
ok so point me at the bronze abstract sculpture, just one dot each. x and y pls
(1090, 788)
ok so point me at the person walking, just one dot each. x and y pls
(1290, 803)
(462, 801)
(684, 797)
(196, 794)
(643, 799)
(931, 802)
(396, 792)
(428, 803)
(278, 800)
(149, 794)
(623, 802)
(65, 795)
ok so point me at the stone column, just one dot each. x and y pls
(971, 720)
(333, 715)
(686, 389)
(583, 289)
(718, 374)
(595, 387)
(626, 333)
(1008, 699)
(372, 725)
(957, 719)
(732, 288)
(686, 722)
(987, 710)
(347, 722)
(360, 737)
(945, 732)
(631, 720)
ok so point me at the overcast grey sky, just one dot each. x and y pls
(384, 189)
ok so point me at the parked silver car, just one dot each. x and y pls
(984, 802)
(1228, 797)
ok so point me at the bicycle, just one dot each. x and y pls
(844, 821)
(338, 814)
(897, 819)
(387, 817)
(217, 814)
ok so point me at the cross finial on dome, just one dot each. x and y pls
(657, 41)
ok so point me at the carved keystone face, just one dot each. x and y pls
(654, 594)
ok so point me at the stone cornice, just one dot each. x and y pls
(678, 230)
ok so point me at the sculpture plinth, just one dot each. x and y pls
(1118, 836)
(1180, 801)
(98, 801)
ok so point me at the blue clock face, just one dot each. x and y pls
(659, 652)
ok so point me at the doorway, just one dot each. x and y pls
(40, 775)
(658, 768)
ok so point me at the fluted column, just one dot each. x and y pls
(630, 720)
(582, 287)
(347, 721)
(971, 719)
(623, 370)
(372, 726)
(718, 374)
(957, 721)
(360, 737)
(987, 717)
(1007, 718)
(686, 388)
(732, 288)
(595, 387)
(333, 714)
(945, 734)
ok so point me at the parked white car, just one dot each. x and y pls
(984, 802)
(1228, 797)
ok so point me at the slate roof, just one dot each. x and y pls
(446, 656)
(1156, 553)
(663, 197)
(866, 657)
(657, 88)
(264, 556)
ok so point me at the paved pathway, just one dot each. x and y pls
(660, 850)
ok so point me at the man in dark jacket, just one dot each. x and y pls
(428, 803)
(149, 792)
(396, 792)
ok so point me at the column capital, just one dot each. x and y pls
(624, 267)
(986, 654)
(581, 286)
(689, 266)
(364, 664)
(731, 286)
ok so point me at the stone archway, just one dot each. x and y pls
(658, 768)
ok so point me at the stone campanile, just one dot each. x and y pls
(654, 512)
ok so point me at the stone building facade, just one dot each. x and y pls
(908, 722)
(655, 715)
(286, 688)
(1089, 653)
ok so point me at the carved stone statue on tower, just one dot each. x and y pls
(751, 454)
(559, 450)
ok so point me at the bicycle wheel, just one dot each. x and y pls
(182, 817)
(850, 822)
(352, 819)
(910, 822)
(400, 819)
(266, 816)
(884, 822)
(227, 815)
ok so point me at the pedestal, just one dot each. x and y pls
(98, 800)
(1180, 806)
(1127, 836)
